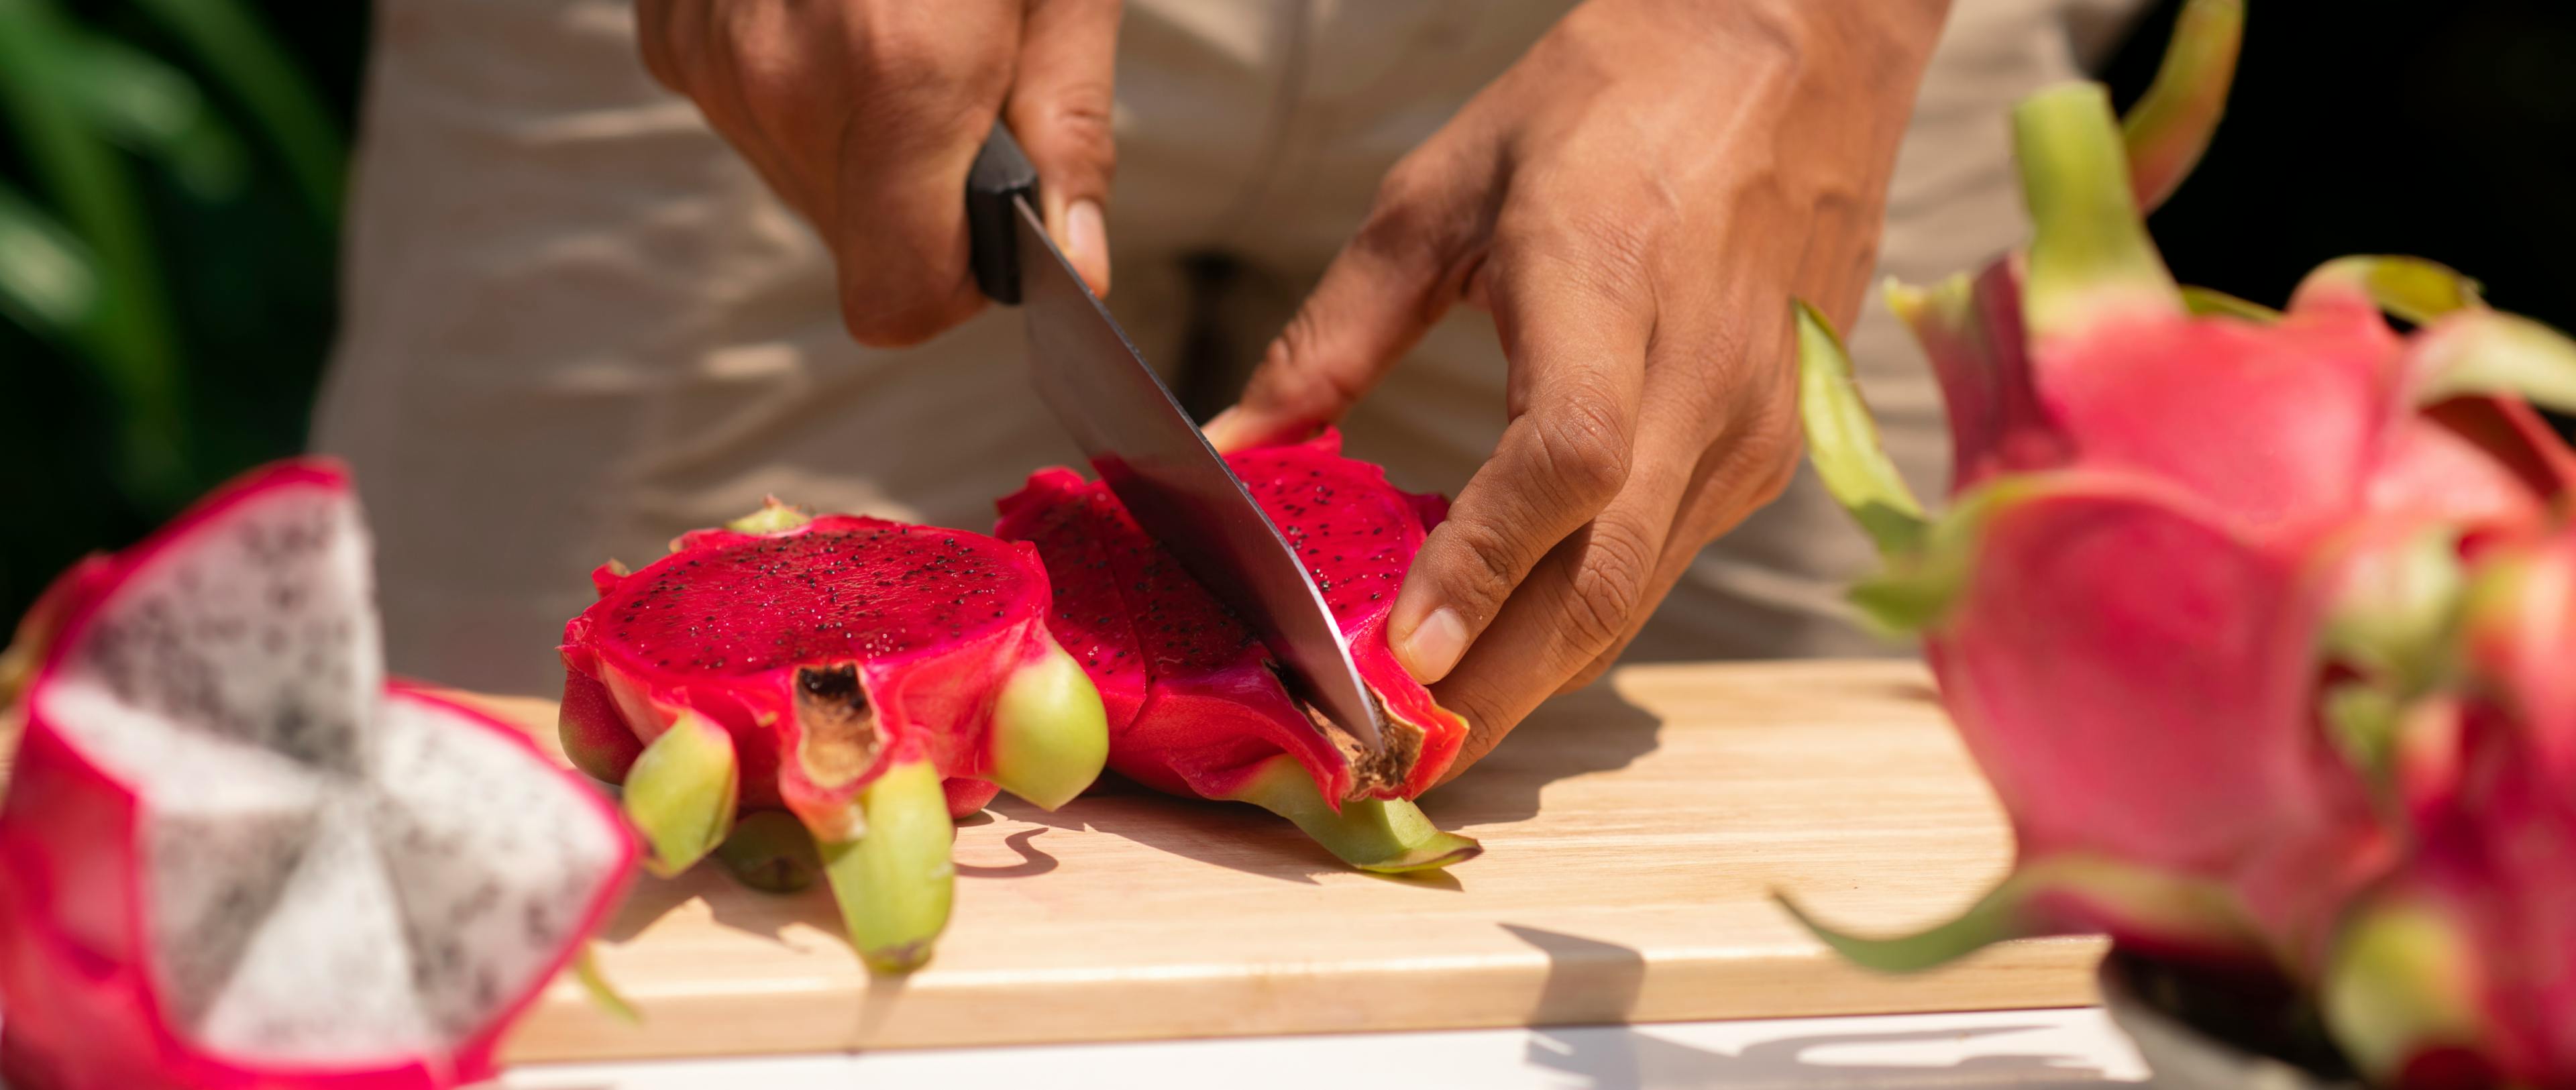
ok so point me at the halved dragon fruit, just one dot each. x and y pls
(1195, 702)
(2156, 494)
(231, 855)
(871, 677)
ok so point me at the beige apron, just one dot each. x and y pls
(576, 325)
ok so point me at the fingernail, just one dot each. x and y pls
(1432, 649)
(1086, 243)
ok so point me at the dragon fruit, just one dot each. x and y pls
(873, 678)
(1194, 700)
(2255, 621)
(233, 855)
(2458, 968)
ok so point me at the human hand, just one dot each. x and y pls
(1636, 202)
(864, 116)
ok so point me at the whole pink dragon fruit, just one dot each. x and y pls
(1195, 704)
(871, 677)
(2206, 609)
(232, 855)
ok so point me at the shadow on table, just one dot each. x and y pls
(1233, 835)
(1590, 730)
(1589, 981)
(1593, 729)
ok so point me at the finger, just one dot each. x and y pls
(1590, 595)
(1395, 277)
(653, 20)
(896, 218)
(1738, 476)
(1060, 109)
(1749, 450)
(1577, 356)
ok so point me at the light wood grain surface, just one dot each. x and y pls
(1634, 836)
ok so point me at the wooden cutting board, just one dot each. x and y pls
(1634, 836)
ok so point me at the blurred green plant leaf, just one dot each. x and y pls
(146, 106)
(46, 280)
(128, 333)
(252, 67)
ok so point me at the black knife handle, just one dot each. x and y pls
(1000, 174)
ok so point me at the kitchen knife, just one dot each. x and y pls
(1145, 448)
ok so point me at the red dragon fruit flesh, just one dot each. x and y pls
(870, 677)
(1194, 699)
(233, 855)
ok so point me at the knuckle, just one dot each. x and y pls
(1410, 217)
(1478, 584)
(1583, 447)
(1608, 581)
(1295, 376)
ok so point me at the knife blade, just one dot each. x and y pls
(1144, 447)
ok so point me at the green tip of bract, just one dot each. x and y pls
(1990, 921)
(585, 971)
(1843, 443)
(2049, 896)
(2090, 258)
(894, 880)
(772, 517)
(681, 792)
(2492, 353)
(2410, 288)
(1050, 734)
(2171, 125)
(1385, 836)
(2206, 303)
(2398, 984)
(772, 852)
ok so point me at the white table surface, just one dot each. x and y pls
(2065, 1048)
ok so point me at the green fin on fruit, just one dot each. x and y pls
(2491, 352)
(585, 971)
(2399, 985)
(2170, 126)
(2047, 897)
(772, 852)
(772, 517)
(1050, 735)
(2410, 288)
(1386, 836)
(1843, 443)
(2090, 258)
(894, 879)
(2208, 303)
(681, 792)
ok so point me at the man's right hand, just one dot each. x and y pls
(864, 115)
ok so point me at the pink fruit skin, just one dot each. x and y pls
(82, 1008)
(932, 689)
(1192, 703)
(2137, 678)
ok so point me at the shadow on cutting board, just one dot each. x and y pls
(1592, 729)
(1591, 986)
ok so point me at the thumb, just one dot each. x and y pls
(1394, 278)
(1059, 111)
